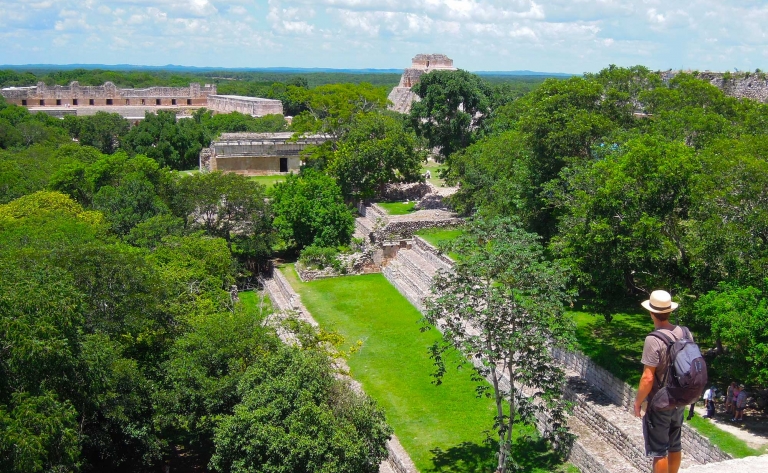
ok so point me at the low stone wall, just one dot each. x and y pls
(431, 254)
(611, 434)
(616, 390)
(404, 229)
(412, 191)
(584, 461)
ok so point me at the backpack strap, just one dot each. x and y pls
(668, 341)
(686, 333)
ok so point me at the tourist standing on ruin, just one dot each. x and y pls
(729, 398)
(661, 428)
(741, 404)
(709, 400)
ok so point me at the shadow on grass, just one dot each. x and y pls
(528, 454)
(616, 346)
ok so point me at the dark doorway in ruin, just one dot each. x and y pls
(58, 101)
(157, 101)
(42, 103)
(23, 103)
(173, 101)
(427, 63)
(143, 102)
(283, 164)
(90, 101)
(127, 101)
(109, 101)
(189, 101)
(74, 101)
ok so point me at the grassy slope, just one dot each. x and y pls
(441, 427)
(616, 346)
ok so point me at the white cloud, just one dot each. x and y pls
(555, 35)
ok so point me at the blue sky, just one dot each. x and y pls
(547, 35)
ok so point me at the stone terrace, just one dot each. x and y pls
(377, 225)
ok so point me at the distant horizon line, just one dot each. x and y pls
(177, 67)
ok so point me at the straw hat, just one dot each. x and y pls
(660, 303)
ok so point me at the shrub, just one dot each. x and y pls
(320, 257)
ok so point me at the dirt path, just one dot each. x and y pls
(753, 431)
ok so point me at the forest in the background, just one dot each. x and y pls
(248, 83)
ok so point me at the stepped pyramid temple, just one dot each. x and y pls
(401, 96)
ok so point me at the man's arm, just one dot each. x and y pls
(646, 384)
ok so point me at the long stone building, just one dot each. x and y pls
(255, 154)
(401, 96)
(254, 106)
(76, 95)
(75, 99)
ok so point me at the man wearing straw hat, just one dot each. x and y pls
(661, 428)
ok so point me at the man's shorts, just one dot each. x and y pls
(661, 430)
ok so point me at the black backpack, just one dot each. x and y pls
(686, 373)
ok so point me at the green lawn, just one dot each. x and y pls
(442, 427)
(435, 236)
(398, 208)
(434, 170)
(726, 441)
(268, 181)
(617, 346)
(252, 301)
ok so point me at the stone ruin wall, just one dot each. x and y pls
(742, 85)
(107, 94)
(256, 154)
(253, 106)
(434, 61)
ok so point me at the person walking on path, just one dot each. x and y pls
(741, 403)
(729, 398)
(661, 429)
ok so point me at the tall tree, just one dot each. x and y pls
(451, 109)
(502, 308)
(377, 150)
(309, 210)
(228, 206)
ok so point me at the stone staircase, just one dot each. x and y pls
(372, 218)
(610, 438)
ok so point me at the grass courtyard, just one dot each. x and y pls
(436, 236)
(443, 428)
(268, 181)
(398, 208)
(434, 170)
